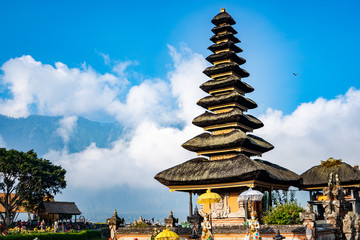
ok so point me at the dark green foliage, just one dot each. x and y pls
(25, 180)
(285, 214)
(83, 235)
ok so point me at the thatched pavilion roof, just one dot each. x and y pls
(235, 115)
(229, 97)
(229, 44)
(235, 138)
(226, 55)
(229, 81)
(201, 171)
(318, 176)
(225, 27)
(223, 17)
(225, 67)
(228, 36)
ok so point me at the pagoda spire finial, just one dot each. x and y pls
(222, 10)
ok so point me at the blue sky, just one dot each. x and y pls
(139, 63)
(317, 40)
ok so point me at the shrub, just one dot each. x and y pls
(285, 214)
(83, 235)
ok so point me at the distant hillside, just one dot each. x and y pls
(40, 133)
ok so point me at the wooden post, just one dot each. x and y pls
(190, 204)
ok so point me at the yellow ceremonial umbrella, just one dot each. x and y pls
(209, 197)
(166, 234)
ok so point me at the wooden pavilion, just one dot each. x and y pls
(226, 150)
(58, 210)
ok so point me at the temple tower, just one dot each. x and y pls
(226, 145)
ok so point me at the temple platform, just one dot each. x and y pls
(294, 232)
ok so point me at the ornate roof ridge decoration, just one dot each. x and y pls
(331, 162)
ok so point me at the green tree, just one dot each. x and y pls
(25, 180)
(285, 214)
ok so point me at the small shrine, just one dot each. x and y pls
(316, 179)
(227, 150)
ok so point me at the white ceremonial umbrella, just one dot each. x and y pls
(250, 195)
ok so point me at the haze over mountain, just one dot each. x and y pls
(45, 133)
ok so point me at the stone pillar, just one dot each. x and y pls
(114, 223)
(308, 218)
(348, 227)
(356, 221)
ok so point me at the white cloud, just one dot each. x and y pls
(153, 112)
(314, 132)
(57, 90)
(67, 126)
(151, 144)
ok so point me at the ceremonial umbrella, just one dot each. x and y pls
(250, 195)
(166, 234)
(209, 198)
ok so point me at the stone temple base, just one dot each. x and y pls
(294, 232)
(235, 221)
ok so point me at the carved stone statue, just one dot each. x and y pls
(171, 221)
(348, 227)
(114, 223)
(335, 204)
(356, 220)
(195, 220)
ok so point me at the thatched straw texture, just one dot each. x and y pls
(235, 115)
(235, 138)
(225, 45)
(236, 169)
(227, 35)
(225, 67)
(223, 17)
(230, 81)
(226, 55)
(319, 175)
(230, 97)
(225, 27)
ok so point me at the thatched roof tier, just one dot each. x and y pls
(235, 115)
(59, 208)
(239, 170)
(221, 37)
(226, 27)
(223, 17)
(317, 177)
(225, 67)
(236, 141)
(225, 45)
(231, 55)
(226, 98)
(228, 81)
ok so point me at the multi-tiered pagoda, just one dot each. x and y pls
(226, 146)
